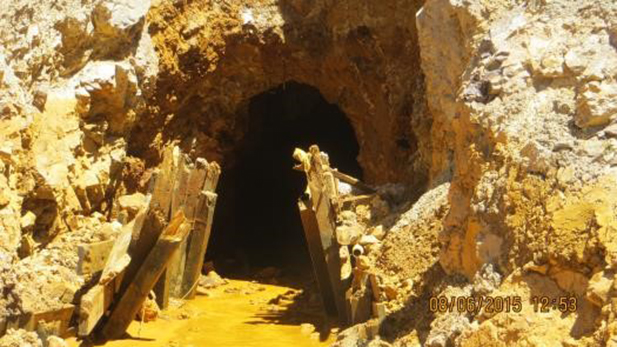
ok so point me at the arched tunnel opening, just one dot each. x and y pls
(257, 224)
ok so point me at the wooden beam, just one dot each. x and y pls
(318, 257)
(174, 273)
(320, 185)
(93, 306)
(351, 201)
(142, 243)
(119, 258)
(143, 282)
(199, 242)
(164, 184)
(353, 181)
(190, 181)
(162, 198)
(97, 300)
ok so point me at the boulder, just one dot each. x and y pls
(596, 104)
(117, 23)
(107, 88)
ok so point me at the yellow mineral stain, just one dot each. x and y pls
(231, 315)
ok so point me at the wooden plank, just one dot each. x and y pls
(360, 306)
(143, 282)
(93, 256)
(199, 242)
(318, 258)
(325, 215)
(119, 257)
(180, 184)
(195, 186)
(142, 244)
(352, 201)
(171, 279)
(161, 200)
(162, 289)
(214, 172)
(92, 307)
(164, 184)
(95, 303)
(353, 181)
(190, 181)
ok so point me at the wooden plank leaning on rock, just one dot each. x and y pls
(140, 286)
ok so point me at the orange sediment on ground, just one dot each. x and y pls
(240, 313)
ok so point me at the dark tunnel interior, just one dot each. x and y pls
(257, 223)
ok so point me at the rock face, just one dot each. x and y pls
(524, 110)
(498, 118)
(363, 57)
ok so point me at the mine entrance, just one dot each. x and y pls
(257, 223)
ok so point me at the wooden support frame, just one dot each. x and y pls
(189, 184)
(145, 279)
(325, 204)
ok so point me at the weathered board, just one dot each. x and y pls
(93, 306)
(323, 189)
(196, 250)
(140, 286)
(316, 250)
(189, 183)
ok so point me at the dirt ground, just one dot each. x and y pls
(240, 313)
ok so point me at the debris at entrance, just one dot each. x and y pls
(211, 280)
(145, 279)
(150, 309)
(342, 236)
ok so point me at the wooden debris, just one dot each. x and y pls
(351, 201)
(119, 258)
(143, 282)
(329, 250)
(325, 204)
(98, 299)
(379, 311)
(169, 283)
(164, 184)
(142, 244)
(375, 289)
(196, 250)
(93, 306)
(360, 306)
(318, 257)
(353, 181)
(189, 183)
(137, 260)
